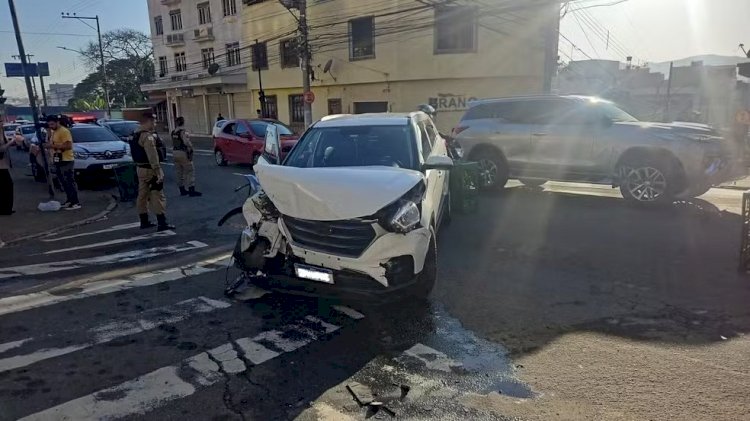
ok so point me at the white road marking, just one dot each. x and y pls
(352, 313)
(239, 174)
(150, 391)
(25, 302)
(161, 234)
(432, 358)
(128, 256)
(15, 344)
(110, 229)
(108, 332)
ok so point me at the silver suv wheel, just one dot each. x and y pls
(489, 171)
(644, 184)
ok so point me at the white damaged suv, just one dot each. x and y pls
(353, 211)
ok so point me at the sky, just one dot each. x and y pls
(649, 30)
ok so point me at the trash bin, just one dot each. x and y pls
(464, 185)
(127, 182)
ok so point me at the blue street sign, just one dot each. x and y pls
(16, 69)
(43, 68)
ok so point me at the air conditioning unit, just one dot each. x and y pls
(203, 34)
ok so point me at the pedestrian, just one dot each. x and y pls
(183, 159)
(220, 118)
(61, 145)
(150, 175)
(6, 182)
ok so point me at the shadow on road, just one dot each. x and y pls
(534, 265)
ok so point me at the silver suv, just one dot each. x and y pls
(577, 138)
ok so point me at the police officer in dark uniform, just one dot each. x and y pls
(183, 160)
(150, 175)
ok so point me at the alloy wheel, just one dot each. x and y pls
(646, 184)
(489, 171)
(219, 156)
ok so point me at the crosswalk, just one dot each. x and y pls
(172, 337)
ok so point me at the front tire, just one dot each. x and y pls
(219, 158)
(493, 169)
(426, 279)
(646, 181)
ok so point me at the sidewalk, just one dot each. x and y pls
(28, 222)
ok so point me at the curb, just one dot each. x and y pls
(739, 188)
(110, 207)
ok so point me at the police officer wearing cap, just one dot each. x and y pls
(150, 175)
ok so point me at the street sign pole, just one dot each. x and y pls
(32, 101)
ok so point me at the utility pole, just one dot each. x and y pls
(44, 91)
(32, 101)
(305, 56)
(261, 93)
(669, 93)
(105, 82)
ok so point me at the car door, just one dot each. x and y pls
(243, 138)
(435, 178)
(562, 137)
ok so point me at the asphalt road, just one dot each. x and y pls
(557, 303)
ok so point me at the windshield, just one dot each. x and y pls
(260, 127)
(92, 134)
(123, 129)
(614, 113)
(359, 146)
(28, 129)
(10, 127)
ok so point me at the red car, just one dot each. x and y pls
(241, 141)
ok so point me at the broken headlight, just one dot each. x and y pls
(406, 217)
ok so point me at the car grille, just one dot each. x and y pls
(103, 155)
(342, 238)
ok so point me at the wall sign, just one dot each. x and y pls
(451, 102)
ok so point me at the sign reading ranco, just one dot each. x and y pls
(451, 102)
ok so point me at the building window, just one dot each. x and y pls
(233, 54)
(204, 13)
(175, 17)
(272, 107)
(296, 109)
(455, 29)
(163, 66)
(289, 52)
(334, 106)
(180, 65)
(230, 7)
(362, 38)
(207, 55)
(260, 56)
(158, 25)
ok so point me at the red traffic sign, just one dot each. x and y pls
(309, 97)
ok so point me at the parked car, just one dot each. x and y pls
(241, 141)
(123, 129)
(353, 211)
(217, 127)
(578, 138)
(28, 132)
(97, 151)
(9, 130)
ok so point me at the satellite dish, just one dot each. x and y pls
(213, 68)
(327, 67)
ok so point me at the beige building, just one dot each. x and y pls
(199, 61)
(392, 55)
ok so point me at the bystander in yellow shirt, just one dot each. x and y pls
(60, 137)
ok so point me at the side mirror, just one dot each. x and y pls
(272, 145)
(438, 163)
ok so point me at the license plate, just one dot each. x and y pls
(314, 274)
(108, 166)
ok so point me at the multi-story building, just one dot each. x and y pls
(58, 94)
(200, 68)
(392, 55)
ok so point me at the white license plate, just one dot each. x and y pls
(314, 274)
(108, 166)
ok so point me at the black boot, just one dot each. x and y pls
(183, 192)
(145, 223)
(193, 193)
(162, 223)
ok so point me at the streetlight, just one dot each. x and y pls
(101, 51)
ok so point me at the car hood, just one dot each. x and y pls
(332, 194)
(99, 146)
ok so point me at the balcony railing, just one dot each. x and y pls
(169, 2)
(175, 39)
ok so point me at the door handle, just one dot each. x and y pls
(540, 134)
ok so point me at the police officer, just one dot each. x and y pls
(150, 175)
(183, 159)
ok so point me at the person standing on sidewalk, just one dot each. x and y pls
(150, 175)
(6, 182)
(61, 145)
(183, 159)
(220, 118)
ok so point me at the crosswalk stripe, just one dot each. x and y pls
(128, 256)
(354, 314)
(15, 344)
(33, 300)
(102, 231)
(161, 234)
(145, 321)
(155, 389)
